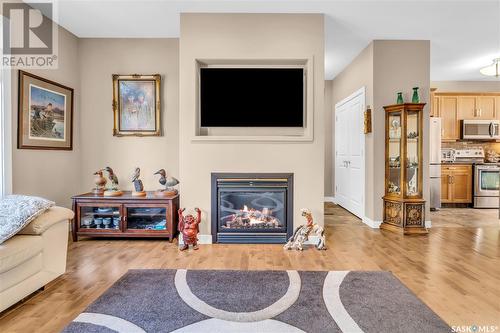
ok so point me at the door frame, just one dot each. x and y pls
(357, 93)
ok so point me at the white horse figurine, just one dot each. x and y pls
(301, 234)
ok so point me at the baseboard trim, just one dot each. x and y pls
(202, 239)
(428, 224)
(371, 223)
(330, 199)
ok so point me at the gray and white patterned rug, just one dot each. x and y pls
(257, 301)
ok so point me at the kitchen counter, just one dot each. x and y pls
(459, 163)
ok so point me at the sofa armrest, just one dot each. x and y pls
(46, 220)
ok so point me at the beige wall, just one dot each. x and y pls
(355, 76)
(54, 175)
(329, 175)
(247, 37)
(100, 58)
(397, 66)
(382, 68)
(466, 86)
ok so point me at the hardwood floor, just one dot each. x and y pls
(455, 269)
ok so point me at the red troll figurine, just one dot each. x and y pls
(189, 227)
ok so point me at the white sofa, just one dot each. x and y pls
(34, 256)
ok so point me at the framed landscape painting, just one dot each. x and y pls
(45, 114)
(136, 105)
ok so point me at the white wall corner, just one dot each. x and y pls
(428, 224)
(202, 239)
(330, 199)
(371, 223)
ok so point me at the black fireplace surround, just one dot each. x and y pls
(252, 207)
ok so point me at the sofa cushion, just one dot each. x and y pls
(46, 220)
(16, 211)
(18, 249)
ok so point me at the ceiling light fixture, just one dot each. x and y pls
(493, 69)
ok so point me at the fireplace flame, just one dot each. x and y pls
(253, 217)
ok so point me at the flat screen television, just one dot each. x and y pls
(252, 97)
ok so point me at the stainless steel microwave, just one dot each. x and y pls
(480, 129)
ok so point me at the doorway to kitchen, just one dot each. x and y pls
(349, 155)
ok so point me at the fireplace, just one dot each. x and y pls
(252, 207)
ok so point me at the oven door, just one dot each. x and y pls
(480, 129)
(487, 181)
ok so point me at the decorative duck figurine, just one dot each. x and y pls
(100, 183)
(138, 186)
(168, 182)
(112, 190)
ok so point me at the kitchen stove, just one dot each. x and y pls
(469, 155)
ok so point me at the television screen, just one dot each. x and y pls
(252, 97)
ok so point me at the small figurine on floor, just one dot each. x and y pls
(112, 190)
(301, 234)
(138, 186)
(189, 228)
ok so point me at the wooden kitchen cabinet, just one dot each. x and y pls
(454, 107)
(476, 107)
(434, 111)
(450, 126)
(467, 107)
(456, 183)
(486, 106)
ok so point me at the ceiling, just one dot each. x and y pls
(464, 35)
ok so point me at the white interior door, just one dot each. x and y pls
(349, 153)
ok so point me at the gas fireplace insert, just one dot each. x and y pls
(252, 207)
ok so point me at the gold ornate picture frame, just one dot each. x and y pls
(136, 105)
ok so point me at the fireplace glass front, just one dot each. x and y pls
(251, 208)
(261, 210)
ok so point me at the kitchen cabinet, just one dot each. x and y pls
(476, 107)
(467, 107)
(486, 107)
(454, 107)
(450, 126)
(434, 112)
(456, 183)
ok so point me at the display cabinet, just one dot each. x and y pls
(125, 216)
(404, 207)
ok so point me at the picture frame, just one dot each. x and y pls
(45, 114)
(136, 105)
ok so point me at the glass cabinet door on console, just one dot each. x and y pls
(97, 217)
(150, 218)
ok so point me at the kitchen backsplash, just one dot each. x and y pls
(471, 144)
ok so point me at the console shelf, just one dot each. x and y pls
(125, 216)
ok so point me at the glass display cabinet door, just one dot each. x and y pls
(413, 154)
(393, 181)
(104, 217)
(146, 218)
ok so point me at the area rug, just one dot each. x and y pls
(257, 301)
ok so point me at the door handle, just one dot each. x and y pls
(490, 129)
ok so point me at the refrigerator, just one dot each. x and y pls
(435, 163)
